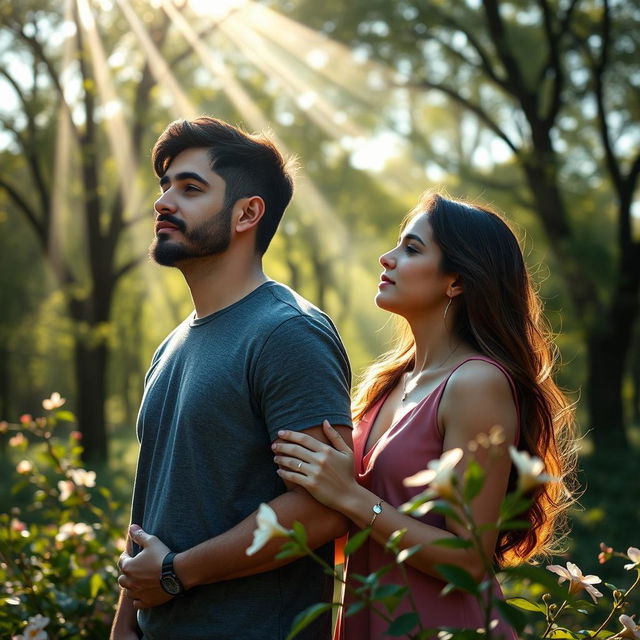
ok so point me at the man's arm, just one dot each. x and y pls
(224, 557)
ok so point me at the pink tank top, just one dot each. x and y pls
(404, 449)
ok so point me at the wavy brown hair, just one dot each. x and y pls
(500, 315)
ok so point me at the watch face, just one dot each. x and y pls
(171, 585)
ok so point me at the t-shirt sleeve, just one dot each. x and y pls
(302, 377)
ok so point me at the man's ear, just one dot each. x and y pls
(455, 287)
(251, 212)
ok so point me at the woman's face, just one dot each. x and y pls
(412, 282)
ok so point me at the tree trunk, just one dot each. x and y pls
(90, 369)
(606, 350)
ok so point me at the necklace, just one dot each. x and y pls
(415, 378)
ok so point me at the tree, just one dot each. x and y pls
(556, 84)
(89, 272)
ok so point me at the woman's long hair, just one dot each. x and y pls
(500, 315)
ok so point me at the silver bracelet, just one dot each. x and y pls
(377, 510)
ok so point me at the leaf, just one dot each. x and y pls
(458, 577)
(356, 541)
(355, 608)
(394, 540)
(389, 595)
(563, 633)
(474, 478)
(95, 583)
(513, 505)
(513, 616)
(444, 509)
(453, 543)
(65, 415)
(388, 591)
(526, 605)
(308, 615)
(289, 549)
(407, 553)
(403, 624)
(299, 533)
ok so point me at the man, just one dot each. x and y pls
(253, 358)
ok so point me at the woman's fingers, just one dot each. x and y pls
(302, 439)
(335, 438)
(295, 464)
(293, 450)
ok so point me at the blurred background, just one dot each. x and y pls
(529, 106)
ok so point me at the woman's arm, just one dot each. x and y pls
(477, 397)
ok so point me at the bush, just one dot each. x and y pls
(58, 553)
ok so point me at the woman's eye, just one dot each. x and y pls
(410, 250)
(191, 187)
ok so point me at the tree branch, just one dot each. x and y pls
(29, 212)
(513, 81)
(474, 108)
(553, 64)
(127, 266)
(475, 43)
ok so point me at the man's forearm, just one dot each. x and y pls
(125, 626)
(224, 557)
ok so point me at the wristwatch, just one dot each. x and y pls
(169, 581)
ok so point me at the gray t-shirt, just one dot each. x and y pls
(218, 390)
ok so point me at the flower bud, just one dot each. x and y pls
(546, 598)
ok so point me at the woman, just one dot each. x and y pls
(473, 355)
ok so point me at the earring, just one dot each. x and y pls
(444, 317)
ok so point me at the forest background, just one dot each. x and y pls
(530, 106)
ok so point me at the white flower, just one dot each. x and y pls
(577, 581)
(83, 478)
(80, 529)
(54, 402)
(65, 487)
(631, 629)
(24, 466)
(35, 629)
(530, 470)
(634, 556)
(439, 474)
(268, 527)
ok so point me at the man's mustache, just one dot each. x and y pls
(177, 222)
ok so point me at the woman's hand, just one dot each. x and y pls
(325, 471)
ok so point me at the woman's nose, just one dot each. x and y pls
(387, 260)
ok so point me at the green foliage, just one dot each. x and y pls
(58, 553)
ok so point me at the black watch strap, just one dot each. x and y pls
(167, 563)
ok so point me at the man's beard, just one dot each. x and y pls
(210, 238)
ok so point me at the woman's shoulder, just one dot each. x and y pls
(479, 391)
(481, 374)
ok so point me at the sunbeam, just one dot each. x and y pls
(270, 61)
(60, 188)
(182, 107)
(118, 134)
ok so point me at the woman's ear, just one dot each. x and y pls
(455, 287)
(251, 212)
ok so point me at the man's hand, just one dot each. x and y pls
(140, 577)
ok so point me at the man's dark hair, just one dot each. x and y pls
(250, 165)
